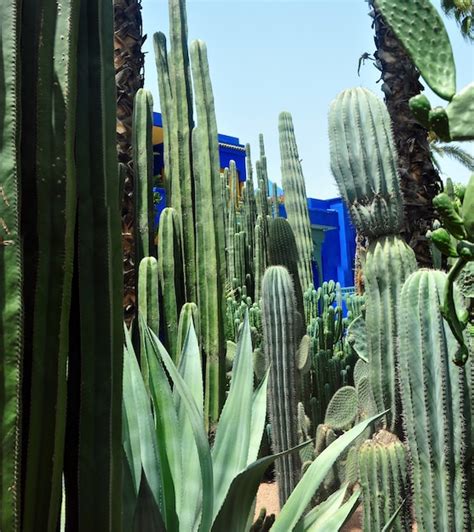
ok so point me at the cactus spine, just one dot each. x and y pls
(280, 345)
(433, 394)
(295, 198)
(384, 482)
(210, 233)
(362, 161)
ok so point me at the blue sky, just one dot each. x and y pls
(267, 56)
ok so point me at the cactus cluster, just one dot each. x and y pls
(60, 294)
(403, 342)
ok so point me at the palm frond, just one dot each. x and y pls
(453, 151)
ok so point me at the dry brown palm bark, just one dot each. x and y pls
(129, 60)
(420, 179)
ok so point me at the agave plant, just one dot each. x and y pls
(172, 471)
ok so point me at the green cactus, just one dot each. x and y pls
(143, 170)
(12, 265)
(295, 198)
(282, 251)
(433, 392)
(363, 163)
(384, 481)
(170, 276)
(426, 41)
(259, 259)
(148, 306)
(280, 345)
(342, 410)
(421, 30)
(174, 83)
(210, 243)
(369, 184)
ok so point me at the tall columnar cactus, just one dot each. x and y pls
(11, 271)
(148, 306)
(170, 275)
(295, 198)
(363, 163)
(282, 251)
(436, 418)
(259, 258)
(384, 481)
(143, 168)
(280, 323)
(174, 82)
(61, 362)
(210, 233)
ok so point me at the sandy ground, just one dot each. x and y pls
(267, 497)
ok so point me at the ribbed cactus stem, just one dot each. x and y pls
(283, 251)
(259, 258)
(148, 293)
(170, 275)
(11, 269)
(280, 345)
(433, 391)
(276, 205)
(148, 306)
(174, 83)
(384, 482)
(295, 198)
(389, 261)
(143, 170)
(210, 233)
(363, 162)
(55, 203)
(250, 194)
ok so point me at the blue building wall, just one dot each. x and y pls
(331, 224)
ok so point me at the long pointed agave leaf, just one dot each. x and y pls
(231, 447)
(130, 423)
(257, 424)
(331, 504)
(315, 474)
(197, 424)
(137, 403)
(334, 517)
(242, 492)
(190, 368)
(166, 425)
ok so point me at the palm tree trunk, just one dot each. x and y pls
(420, 179)
(129, 60)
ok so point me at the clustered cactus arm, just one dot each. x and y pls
(174, 81)
(363, 163)
(295, 198)
(280, 345)
(210, 232)
(435, 416)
